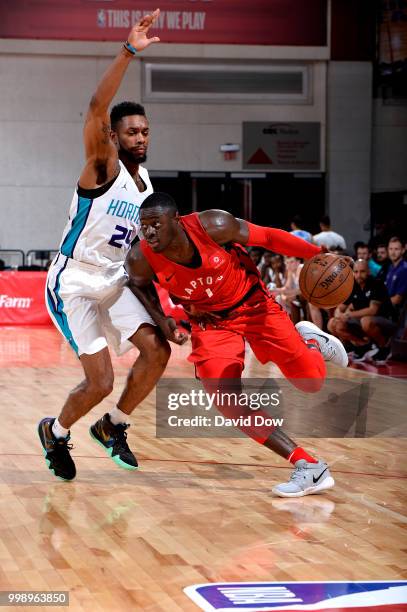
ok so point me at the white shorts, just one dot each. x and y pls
(92, 307)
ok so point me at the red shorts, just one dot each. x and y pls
(261, 322)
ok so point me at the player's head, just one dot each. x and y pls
(325, 223)
(396, 249)
(361, 271)
(130, 131)
(159, 220)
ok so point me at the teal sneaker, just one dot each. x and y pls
(56, 451)
(113, 439)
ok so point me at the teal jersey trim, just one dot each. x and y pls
(58, 312)
(78, 223)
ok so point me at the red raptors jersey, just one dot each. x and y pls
(223, 278)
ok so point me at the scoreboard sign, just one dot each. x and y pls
(281, 146)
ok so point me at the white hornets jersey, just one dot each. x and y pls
(103, 222)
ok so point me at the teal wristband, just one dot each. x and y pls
(130, 48)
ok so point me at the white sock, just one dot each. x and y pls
(58, 430)
(117, 416)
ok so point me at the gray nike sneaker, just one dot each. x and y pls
(331, 348)
(306, 479)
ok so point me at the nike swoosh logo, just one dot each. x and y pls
(323, 337)
(316, 479)
(169, 278)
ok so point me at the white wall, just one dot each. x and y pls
(349, 120)
(43, 97)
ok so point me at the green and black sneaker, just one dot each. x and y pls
(56, 451)
(113, 438)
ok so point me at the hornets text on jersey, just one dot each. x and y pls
(103, 222)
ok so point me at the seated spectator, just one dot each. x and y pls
(366, 316)
(356, 246)
(396, 279)
(296, 225)
(288, 296)
(273, 271)
(265, 266)
(256, 254)
(316, 315)
(2, 265)
(328, 237)
(382, 258)
(320, 316)
(362, 251)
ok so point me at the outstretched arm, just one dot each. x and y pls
(141, 277)
(224, 227)
(101, 153)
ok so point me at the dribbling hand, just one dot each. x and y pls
(138, 34)
(171, 332)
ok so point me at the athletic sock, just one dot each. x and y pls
(117, 416)
(58, 430)
(299, 453)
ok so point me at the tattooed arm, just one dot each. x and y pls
(100, 151)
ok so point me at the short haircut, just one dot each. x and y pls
(396, 239)
(325, 220)
(124, 109)
(158, 199)
(361, 245)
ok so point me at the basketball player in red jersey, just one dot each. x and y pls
(200, 259)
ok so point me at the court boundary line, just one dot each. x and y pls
(209, 462)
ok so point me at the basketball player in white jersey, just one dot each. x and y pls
(86, 292)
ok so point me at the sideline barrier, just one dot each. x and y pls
(22, 300)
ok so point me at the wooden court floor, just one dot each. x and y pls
(198, 511)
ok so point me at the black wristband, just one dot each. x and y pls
(129, 47)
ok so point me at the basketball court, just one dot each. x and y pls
(198, 511)
(290, 116)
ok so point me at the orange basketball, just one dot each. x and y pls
(326, 280)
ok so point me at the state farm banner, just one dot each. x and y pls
(22, 299)
(258, 22)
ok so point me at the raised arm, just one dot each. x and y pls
(100, 152)
(224, 227)
(141, 277)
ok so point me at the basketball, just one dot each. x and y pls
(326, 280)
